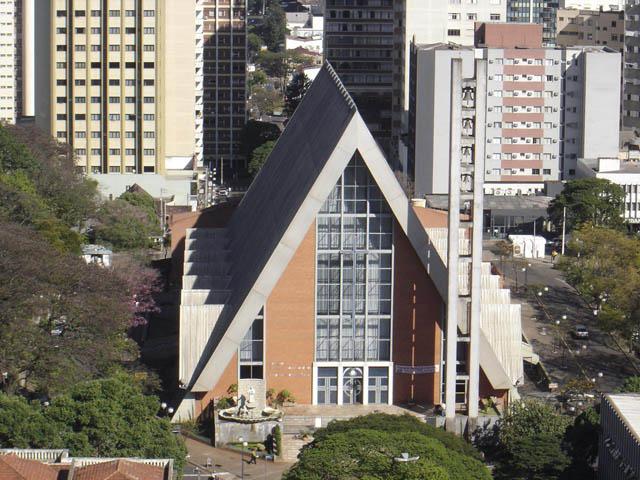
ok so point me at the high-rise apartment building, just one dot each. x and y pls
(16, 59)
(359, 43)
(542, 12)
(590, 27)
(430, 21)
(223, 83)
(545, 108)
(116, 82)
(368, 46)
(631, 73)
(9, 45)
(103, 83)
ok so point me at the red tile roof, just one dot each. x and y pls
(13, 467)
(118, 470)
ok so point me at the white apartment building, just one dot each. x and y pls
(427, 22)
(545, 108)
(605, 5)
(16, 59)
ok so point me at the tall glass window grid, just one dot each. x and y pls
(251, 351)
(354, 271)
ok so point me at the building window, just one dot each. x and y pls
(453, 32)
(378, 388)
(251, 350)
(327, 385)
(354, 271)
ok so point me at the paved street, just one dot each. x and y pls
(227, 464)
(582, 358)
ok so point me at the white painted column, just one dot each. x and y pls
(454, 233)
(476, 245)
(28, 58)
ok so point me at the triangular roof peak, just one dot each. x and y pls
(282, 203)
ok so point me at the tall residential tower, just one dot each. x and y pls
(116, 81)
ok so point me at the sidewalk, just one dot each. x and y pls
(228, 464)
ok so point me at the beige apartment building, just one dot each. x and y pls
(590, 27)
(118, 83)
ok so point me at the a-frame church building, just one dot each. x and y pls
(327, 282)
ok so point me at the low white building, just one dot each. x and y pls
(625, 174)
(97, 254)
(528, 246)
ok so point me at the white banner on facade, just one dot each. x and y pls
(418, 369)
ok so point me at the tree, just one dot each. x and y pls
(582, 440)
(264, 101)
(40, 187)
(142, 284)
(125, 226)
(111, 417)
(260, 156)
(603, 265)
(365, 448)
(530, 443)
(254, 44)
(274, 27)
(256, 133)
(257, 78)
(589, 200)
(281, 65)
(537, 456)
(295, 91)
(62, 320)
(630, 385)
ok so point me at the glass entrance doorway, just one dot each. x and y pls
(352, 386)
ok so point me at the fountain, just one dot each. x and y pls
(246, 412)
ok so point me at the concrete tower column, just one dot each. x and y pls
(455, 149)
(476, 245)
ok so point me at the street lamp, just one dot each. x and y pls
(525, 277)
(405, 458)
(244, 445)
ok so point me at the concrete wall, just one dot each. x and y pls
(432, 116)
(177, 81)
(43, 45)
(601, 104)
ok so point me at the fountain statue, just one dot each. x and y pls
(245, 411)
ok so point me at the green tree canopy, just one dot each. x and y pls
(604, 266)
(630, 385)
(62, 320)
(535, 442)
(264, 101)
(256, 133)
(40, 187)
(274, 27)
(295, 91)
(124, 225)
(111, 417)
(365, 448)
(260, 156)
(589, 200)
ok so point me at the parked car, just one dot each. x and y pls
(580, 332)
